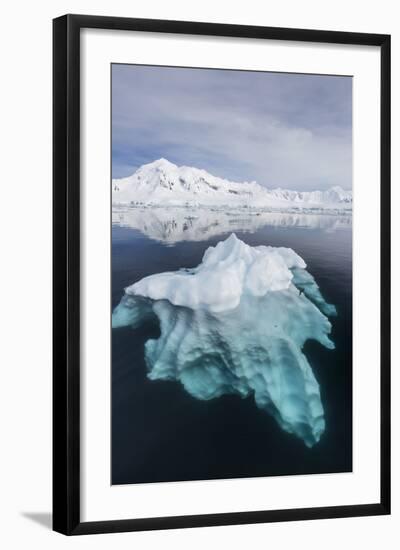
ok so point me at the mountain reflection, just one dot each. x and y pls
(173, 225)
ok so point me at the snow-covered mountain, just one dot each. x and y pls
(162, 183)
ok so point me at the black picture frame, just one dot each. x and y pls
(66, 272)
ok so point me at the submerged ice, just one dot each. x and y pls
(237, 324)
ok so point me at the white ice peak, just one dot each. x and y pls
(227, 271)
(165, 184)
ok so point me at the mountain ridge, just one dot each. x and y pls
(162, 183)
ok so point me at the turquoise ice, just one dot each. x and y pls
(237, 324)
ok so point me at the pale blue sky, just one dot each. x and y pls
(282, 130)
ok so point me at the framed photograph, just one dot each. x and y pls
(221, 274)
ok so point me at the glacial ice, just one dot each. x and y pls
(228, 271)
(237, 324)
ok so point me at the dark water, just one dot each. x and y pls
(161, 433)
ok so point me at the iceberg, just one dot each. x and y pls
(237, 324)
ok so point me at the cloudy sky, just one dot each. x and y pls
(282, 130)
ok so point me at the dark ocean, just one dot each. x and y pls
(161, 433)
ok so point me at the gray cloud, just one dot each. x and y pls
(282, 130)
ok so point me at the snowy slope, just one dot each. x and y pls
(165, 184)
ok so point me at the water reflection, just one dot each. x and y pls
(173, 225)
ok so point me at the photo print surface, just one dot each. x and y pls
(231, 199)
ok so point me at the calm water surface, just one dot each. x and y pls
(160, 432)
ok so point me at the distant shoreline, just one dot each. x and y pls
(239, 209)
